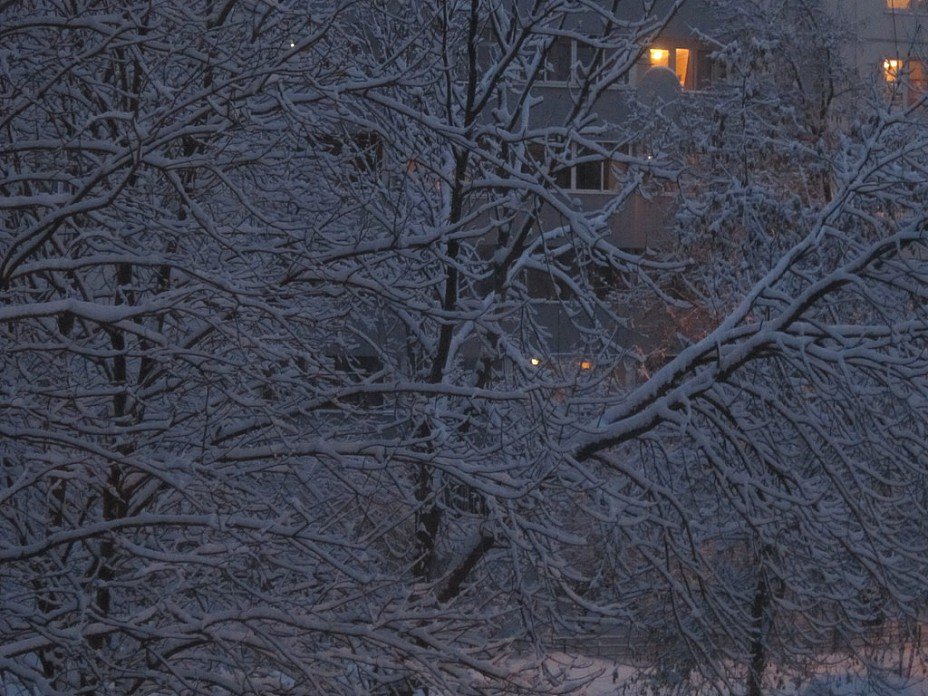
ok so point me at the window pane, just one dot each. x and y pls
(562, 178)
(559, 61)
(590, 176)
(660, 57)
(540, 161)
(891, 68)
(585, 56)
(682, 65)
(708, 71)
(918, 81)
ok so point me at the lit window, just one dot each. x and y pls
(680, 60)
(891, 69)
(586, 365)
(660, 57)
(907, 5)
(906, 79)
(918, 80)
(681, 64)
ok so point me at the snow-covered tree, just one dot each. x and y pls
(793, 464)
(271, 417)
(311, 383)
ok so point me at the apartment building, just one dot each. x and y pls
(892, 45)
(675, 66)
(676, 73)
(883, 42)
(881, 45)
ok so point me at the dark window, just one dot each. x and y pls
(562, 178)
(590, 61)
(568, 60)
(559, 61)
(708, 71)
(591, 176)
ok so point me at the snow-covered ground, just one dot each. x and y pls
(588, 676)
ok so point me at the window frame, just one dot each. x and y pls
(607, 173)
(700, 70)
(609, 177)
(905, 78)
(575, 70)
(912, 7)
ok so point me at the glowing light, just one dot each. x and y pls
(586, 365)
(293, 44)
(535, 361)
(681, 63)
(891, 67)
(898, 4)
(660, 57)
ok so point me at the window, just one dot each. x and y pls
(596, 174)
(676, 59)
(907, 5)
(693, 67)
(559, 61)
(906, 79)
(891, 68)
(569, 60)
(586, 59)
(592, 176)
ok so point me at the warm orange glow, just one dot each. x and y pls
(918, 81)
(898, 4)
(660, 57)
(681, 63)
(917, 72)
(891, 67)
(586, 365)
(677, 59)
